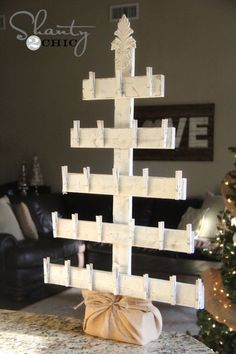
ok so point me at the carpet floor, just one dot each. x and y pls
(175, 318)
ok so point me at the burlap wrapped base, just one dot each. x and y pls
(121, 318)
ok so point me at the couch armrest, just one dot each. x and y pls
(6, 241)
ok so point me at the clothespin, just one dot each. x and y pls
(161, 234)
(116, 281)
(67, 268)
(199, 294)
(86, 172)
(190, 238)
(76, 129)
(164, 132)
(119, 83)
(116, 178)
(184, 189)
(172, 280)
(89, 268)
(146, 286)
(101, 135)
(99, 227)
(92, 87)
(145, 180)
(149, 80)
(46, 269)
(64, 171)
(178, 185)
(54, 215)
(75, 225)
(134, 132)
(131, 230)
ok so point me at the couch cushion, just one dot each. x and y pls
(41, 207)
(8, 221)
(30, 253)
(88, 206)
(214, 205)
(25, 220)
(142, 210)
(170, 211)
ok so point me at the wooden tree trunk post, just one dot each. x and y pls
(124, 46)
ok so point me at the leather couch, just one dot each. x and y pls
(158, 264)
(21, 261)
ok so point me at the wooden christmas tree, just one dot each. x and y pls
(123, 234)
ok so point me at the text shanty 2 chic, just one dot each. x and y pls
(77, 36)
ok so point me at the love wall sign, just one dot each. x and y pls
(194, 131)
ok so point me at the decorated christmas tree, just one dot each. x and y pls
(218, 321)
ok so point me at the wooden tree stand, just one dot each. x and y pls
(123, 233)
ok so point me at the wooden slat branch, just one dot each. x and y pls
(168, 291)
(123, 87)
(121, 185)
(124, 234)
(114, 138)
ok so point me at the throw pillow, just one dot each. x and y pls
(214, 204)
(8, 221)
(25, 220)
(193, 216)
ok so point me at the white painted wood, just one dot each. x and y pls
(149, 76)
(116, 280)
(158, 187)
(123, 233)
(124, 46)
(124, 87)
(128, 234)
(168, 291)
(54, 223)
(92, 84)
(125, 138)
(64, 171)
(172, 284)
(90, 276)
(146, 286)
(67, 272)
(46, 270)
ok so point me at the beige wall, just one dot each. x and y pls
(192, 42)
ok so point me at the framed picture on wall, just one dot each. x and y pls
(194, 125)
